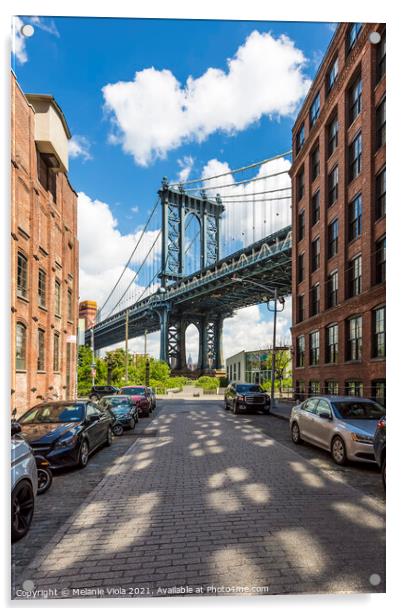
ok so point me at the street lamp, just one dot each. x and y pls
(281, 301)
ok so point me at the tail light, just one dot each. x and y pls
(381, 423)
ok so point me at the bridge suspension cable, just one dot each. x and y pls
(136, 273)
(132, 254)
(256, 179)
(258, 200)
(233, 171)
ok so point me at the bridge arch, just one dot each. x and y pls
(192, 346)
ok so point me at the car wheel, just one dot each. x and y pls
(235, 408)
(117, 429)
(296, 438)
(45, 479)
(22, 509)
(383, 473)
(132, 424)
(267, 409)
(338, 451)
(109, 437)
(84, 454)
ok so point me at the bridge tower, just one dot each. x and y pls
(176, 206)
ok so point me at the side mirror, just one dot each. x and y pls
(325, 415)
(15, 428)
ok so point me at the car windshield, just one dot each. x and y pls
(242, 389)
(134, 391)
(117, 401)
(359, 410)
(123, 408)
(54, 413)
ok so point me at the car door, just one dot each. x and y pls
(104, 422)
(306, 415)
(94, 427)
(321, 428)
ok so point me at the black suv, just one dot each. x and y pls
(379, 446)
(98, 391)
(245, 397)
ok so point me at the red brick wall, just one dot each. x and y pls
(46, 232)
(362, 58)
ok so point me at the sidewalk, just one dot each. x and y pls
(282, 409)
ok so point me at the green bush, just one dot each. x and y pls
(207, 383)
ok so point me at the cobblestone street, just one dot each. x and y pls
(213, 502)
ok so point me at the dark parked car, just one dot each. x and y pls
(379, 447)
(139, 397)
(98, 391)
(124, 412)
(246, 397)
(67, 432)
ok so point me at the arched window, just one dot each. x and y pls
(20, 346)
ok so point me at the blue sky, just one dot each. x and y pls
(75, 58)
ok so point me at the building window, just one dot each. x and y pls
(355, 157)
(56, 352)
(315, 163)
(314, 349)
(379, 332)
(354, 339)
(22, 275)
(69, 304)
(41, 350)
(315, 299)
(314, 388)
(332, 388)
(315, 254)
(315, 109)
(331, 344)
(379, 391)
(46, 175)
(333, 237)
(380, 194)
(332, 75)
(42, 288)
(20, 346)
(300, 351)
(355, 100)
(355, 218)
(300, 308)
(380, 260)
(300, 268)
(333, 186)
(380, 123)
(300, 226)
(332, 136)
(354, 388)
(352, 36)
(332, 292)
(381, 58)
(315, 208)
(57, 297)
(300, 139)
(300, 185)
(355, 276)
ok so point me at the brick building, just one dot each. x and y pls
(338, 220)
(44, 258)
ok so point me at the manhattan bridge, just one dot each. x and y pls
(194, 261)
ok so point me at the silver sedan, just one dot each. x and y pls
(343, 425)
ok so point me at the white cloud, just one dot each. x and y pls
(248, 218)
(18, 42)
(104, 251)
(186, 165)
(154, 113)
(79, 146)
(135, 209)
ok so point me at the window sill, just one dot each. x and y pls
(41, 371)
(22, 298)
(21, 370)
(42, 308)
(378, 359)
(58, 316)
(353, 361)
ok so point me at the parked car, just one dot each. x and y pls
(98, 391)
(246, 397)
(379, 447)
(67, 432)
(24, 484)
(343, 425)
(152, 397)
(139, 396)
(124, 412)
